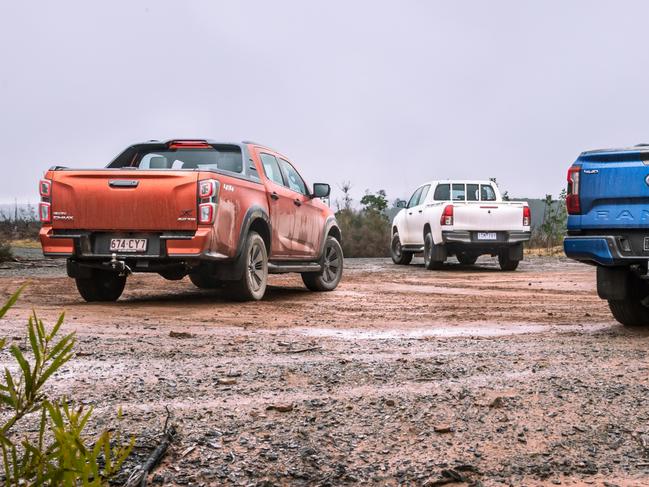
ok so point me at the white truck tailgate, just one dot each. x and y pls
(488, 216)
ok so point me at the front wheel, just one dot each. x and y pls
(102, 285)
(506, 262)
(399, 256)
(432, 253)
(332, 269)
(252, 284)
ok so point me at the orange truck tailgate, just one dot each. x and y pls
(124, 200)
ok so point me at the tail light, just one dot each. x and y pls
(527, 216)
(207, 189)
(447, 216)
(206, 212)
(45, 188)
(208, 195)
(189, 144)
(573, 205)
(45, 212)
(45, 206)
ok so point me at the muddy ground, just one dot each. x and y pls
(400, 377)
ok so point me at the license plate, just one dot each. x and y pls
(487, 236)
(128, 244)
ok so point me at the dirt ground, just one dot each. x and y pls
(402, 376)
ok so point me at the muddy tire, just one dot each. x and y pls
(506, 263)
(332, 269)
(204, 281)
(103, 285)
(399, 256)
(252, 284)
(629, 312)
(466, 259)
(429, 247)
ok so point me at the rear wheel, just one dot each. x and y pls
(399, 256)
(430, 253)
(506, 262)
(629, 311)
(467, 259)
(252, 284)
(332, 268)
(102, 285)
(204, 281)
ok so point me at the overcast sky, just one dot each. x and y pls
(383, 94)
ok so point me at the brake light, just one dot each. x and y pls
(447, 216)
(189, 144)
(527, 216)
(45, 188)
(45, 212)
(573, 204)
(206, 212)
(207, 189)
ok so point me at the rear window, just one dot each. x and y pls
(458, 192)
(227, 158)
(488, 193)
(472, 192)
(442, 192)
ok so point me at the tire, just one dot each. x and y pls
(466, 259)
(507, 264)
(204, 281)
(629, 312)
(332, 269)
(252, 284)
(429, 246)
(399, 256)
(103, 285)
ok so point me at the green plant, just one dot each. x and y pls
(59, 453)
(553, 227)
(5, 251)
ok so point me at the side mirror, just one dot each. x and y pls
(402, 204)
(320, 190)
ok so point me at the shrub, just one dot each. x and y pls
(59, 453)
(5, 251)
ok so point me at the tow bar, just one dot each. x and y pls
(120, 266)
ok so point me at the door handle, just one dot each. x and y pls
(421, 211)
(410, 213)
(297, 202)
(274, 196)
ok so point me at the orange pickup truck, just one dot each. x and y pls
(225, 214)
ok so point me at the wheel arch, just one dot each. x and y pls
(257, 220)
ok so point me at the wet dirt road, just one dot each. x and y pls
(401, 376)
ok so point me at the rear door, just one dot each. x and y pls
(124, 200)
(308, 224)
(417, 220)
(280, 204)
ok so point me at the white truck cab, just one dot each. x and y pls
(465, 218)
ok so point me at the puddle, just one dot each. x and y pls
(487, 330)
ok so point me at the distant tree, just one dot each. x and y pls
(375, 202)
(346, 188)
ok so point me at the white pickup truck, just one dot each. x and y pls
(462, 218)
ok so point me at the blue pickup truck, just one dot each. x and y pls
(608, 226)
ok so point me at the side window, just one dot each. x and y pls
(414, 199)
(295, 182)
(472, 192)
(271, 168)
(442, 192)
(424, 193)
(458, 192)
(487, 193)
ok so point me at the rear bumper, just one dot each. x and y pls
(170, 245)
(607, 250)
(504, 239)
